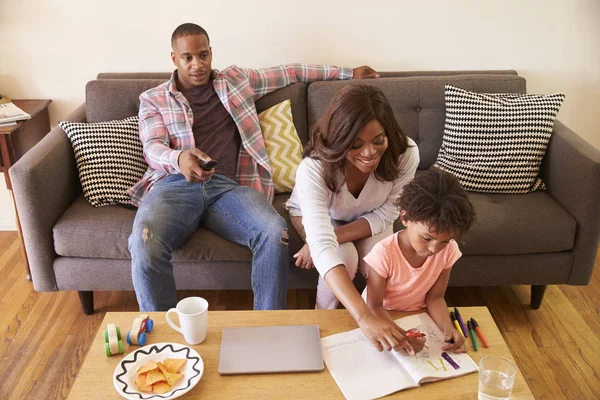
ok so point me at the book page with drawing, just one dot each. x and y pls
(361, 372)
(428, 365)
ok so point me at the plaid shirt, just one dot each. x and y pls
(166, 120)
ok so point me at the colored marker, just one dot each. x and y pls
(479, 333)
(450, 360)
(413, 334)
(453, 318)
(460, 321)
(470, 327)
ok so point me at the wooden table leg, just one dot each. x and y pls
(21, 236)
(6, 161)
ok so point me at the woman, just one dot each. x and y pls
(354, 168)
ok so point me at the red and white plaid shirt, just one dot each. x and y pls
(166, 120)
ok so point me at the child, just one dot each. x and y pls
(410, 269)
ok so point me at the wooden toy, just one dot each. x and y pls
(112, 340)
(141, 325)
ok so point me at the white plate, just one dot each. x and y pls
(124, 376)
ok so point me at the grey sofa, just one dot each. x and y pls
(535, 239)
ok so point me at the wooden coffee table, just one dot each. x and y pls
(95, 379)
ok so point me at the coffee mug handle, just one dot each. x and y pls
(171, 323)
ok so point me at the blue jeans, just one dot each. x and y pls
(174, 209)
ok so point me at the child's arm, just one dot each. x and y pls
(438, 309)
(375, 292)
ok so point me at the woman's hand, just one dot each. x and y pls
(384, 334)
(303, 258)
(459, 341)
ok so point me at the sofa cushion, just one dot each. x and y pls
(495, 142)
(110, 158)
(88, 232)
(517, 224)
(283, 145)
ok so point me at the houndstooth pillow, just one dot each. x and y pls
(495, 142)
(110, 158)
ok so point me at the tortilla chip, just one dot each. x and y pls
(174, 364)
(162, 368)
(155, 376)
(140, 383)
(150, 365)
(173, 378)
(161, 388)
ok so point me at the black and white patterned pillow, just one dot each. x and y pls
(495, 142)
(110, 158)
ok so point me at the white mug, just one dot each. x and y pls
(193, 317)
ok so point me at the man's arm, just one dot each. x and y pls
(155, 138)
(267, 80)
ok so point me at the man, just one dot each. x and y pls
(199, 115)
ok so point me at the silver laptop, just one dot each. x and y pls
(267, 349)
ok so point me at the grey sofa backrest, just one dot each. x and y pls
(109, 99)
(418, 102)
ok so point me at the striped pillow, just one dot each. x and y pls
(495, 142)
(283, 145)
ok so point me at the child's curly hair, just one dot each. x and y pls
(436, 198)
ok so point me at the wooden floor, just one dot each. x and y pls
(44, 337)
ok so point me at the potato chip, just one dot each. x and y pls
(174, 364)
(150, 365)
(173, 378)
(155, 376)
(161, 388)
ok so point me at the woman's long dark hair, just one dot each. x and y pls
(332, 137)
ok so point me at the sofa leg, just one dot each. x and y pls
(537, 294)
(87, 301)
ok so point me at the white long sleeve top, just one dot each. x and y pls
(318, 205)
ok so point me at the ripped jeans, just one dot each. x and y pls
(174, 209)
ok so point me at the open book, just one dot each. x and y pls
(11, 113)
(361, 372)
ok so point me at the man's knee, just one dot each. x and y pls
(143, 242)
(276, 230)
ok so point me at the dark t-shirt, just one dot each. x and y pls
(214, 130)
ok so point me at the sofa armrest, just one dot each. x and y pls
(45, 183)
(571, 171)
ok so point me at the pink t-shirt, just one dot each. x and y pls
(406, 287)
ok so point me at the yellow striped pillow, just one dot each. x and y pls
(283, 145)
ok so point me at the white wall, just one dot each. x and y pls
(50, 49)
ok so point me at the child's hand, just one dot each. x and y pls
(459, 341)
(303, 258)
(417, 343)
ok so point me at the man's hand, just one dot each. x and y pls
(188, 163)
(303, 258)
(364, 72)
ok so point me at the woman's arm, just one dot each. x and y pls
(375, 294)
(349, 232)
(438, 309)
(382, 333)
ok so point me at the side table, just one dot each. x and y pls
(16, 140)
